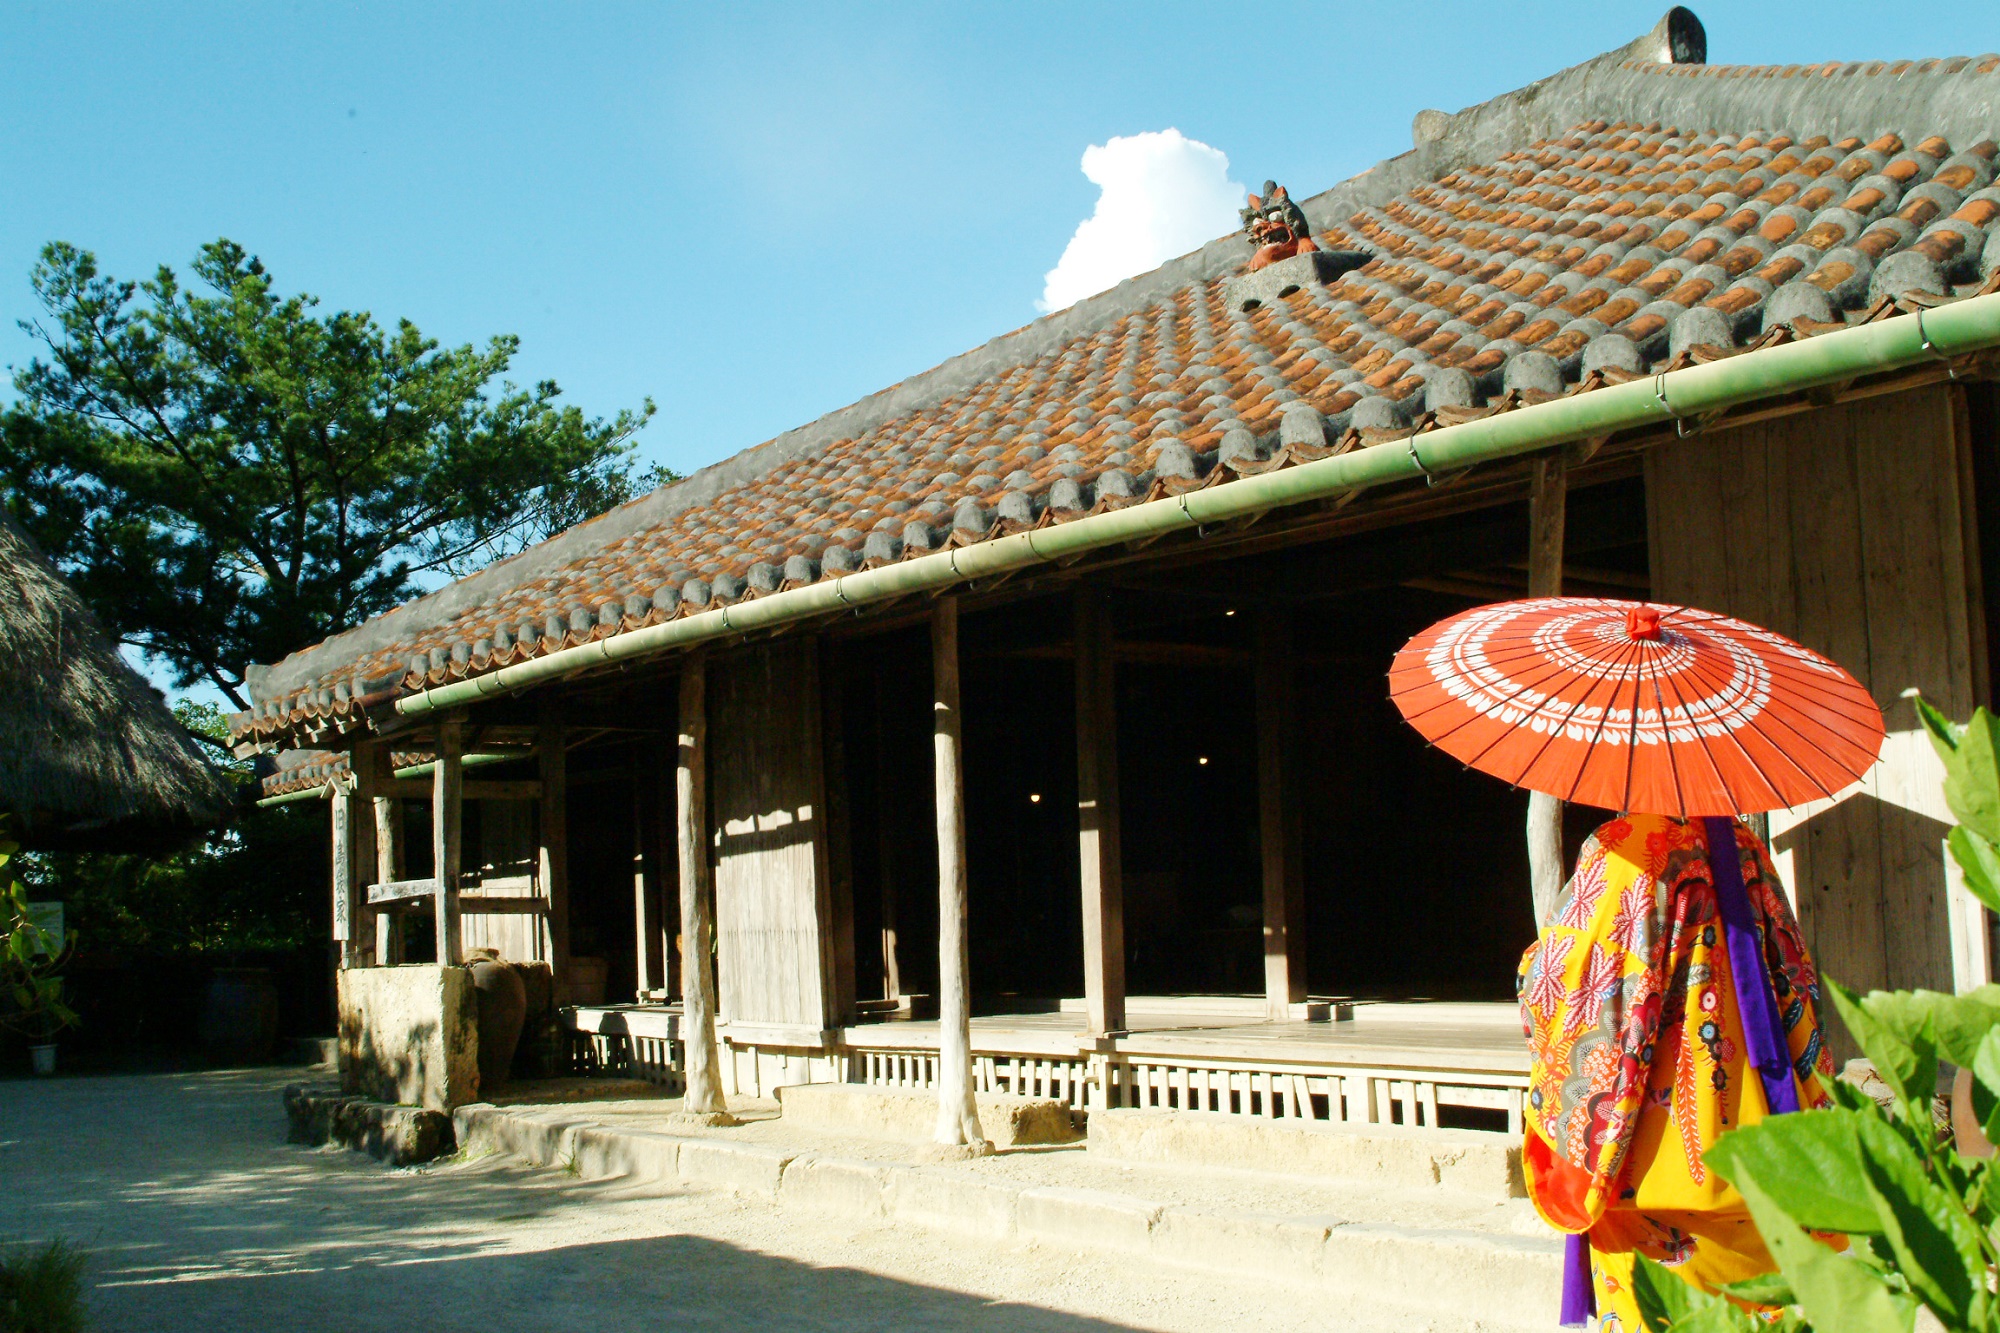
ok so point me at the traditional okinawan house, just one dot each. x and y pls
(1090, 624)
(91, 758)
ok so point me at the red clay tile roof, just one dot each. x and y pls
(1596, 255)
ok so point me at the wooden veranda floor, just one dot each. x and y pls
(1463, 1037)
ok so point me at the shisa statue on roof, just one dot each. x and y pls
(1276, 226)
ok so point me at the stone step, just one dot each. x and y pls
(1410, 1276)
(1482, 1164)
(909, 1115)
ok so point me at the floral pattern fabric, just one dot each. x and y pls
(1638, 1057)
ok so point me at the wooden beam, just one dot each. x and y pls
(835, 869)
(552, 840)
(363, 761)
(473, 789)
(400, 889)
(1548, 489)
(1277, 819)
(1097, 813)
(474, 905)
(447, 833)
(958, 1114)
(388, 860)
(886, 839)
(649, 960)
(704, 1082)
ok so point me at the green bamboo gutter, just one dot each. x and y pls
(1970, 325)
(423, 770)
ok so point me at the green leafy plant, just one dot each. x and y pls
(31, 958)
(1922, 1217)
(41, 1289)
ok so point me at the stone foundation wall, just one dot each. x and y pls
(409, 1035)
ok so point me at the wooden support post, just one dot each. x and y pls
(389, 861)
(1277, 819)
(704, 1082)
(447, 805)
(552, 840)
(649, 959)
(346, 893)
(365, 764)
(958, 1113)
(1097, 814)
(833, 796)
(886, 840)
(1547, 502)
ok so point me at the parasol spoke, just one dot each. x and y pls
(1604, 720)
(1699, 739)
(1782, 752)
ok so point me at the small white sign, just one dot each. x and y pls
(49, 918)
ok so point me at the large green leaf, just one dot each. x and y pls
(1986, 1085)
(1944, 732)
(1836, 1293)
(1764, 1289)
(1979, 860)
(1958, 1022)
(1667, 1303)
(1810, 1164)
(1907, 1066)
(1972, 775)
(1663, 1299)
(1937, 1249)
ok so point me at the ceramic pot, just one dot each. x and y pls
(503, 1007)
(239, 1016)
(44, 1058)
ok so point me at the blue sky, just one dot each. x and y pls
(752, 213)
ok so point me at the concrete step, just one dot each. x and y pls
(1385, 1271)
(1483, 1164)
(909, 1115)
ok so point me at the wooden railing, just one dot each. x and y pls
(1344, 1096)
(1354, 1097)
(644, 1043)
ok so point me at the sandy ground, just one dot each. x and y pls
(198, 1216)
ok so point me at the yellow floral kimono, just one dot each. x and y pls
(1639, 1056)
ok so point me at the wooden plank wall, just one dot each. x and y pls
(773, 903)
(502, 864)
(1849, 530)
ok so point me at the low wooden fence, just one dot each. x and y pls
(646, 1044)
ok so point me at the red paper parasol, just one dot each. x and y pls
(1625, 706)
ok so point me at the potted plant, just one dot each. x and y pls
(31, 963)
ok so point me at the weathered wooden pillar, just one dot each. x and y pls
(389, 864)
(447, 807)
(1277, 820)
(552, 838)
(346, 908)
(649, 957)
(886, 840)
(958, 1113)
(1097, 814)
(833, 795)
(704, 1082)
(365, 762)
(1547, 502)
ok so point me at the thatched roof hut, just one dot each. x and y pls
(91, 758)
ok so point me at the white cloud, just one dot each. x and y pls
(1162, 194)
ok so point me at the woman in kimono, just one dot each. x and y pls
(1649, 1040)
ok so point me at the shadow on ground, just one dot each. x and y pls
(668, 1282)
(198, 1216)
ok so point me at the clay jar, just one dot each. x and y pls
(503, 1006)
